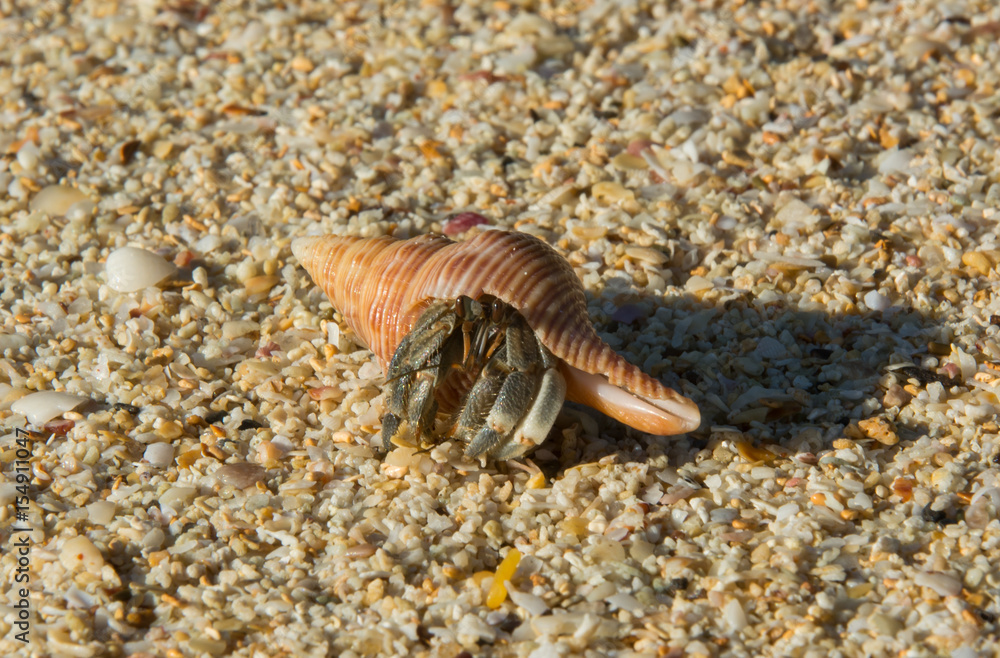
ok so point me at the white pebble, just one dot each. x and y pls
(558, 623)
(27, 156)
(965, 652)
(685, 171)
(602, 591)
(895, 161)
(474, 628)
(876, 301)
(80, 210)
(16, 191)
(786, 511)
(861, 501)
(770, 348)
(56, 199)
(941, 583)
(531, 604)
(81, 551)
(153, 539)
(208, 244)
(736, 617)
(101, 512)
(795, 213)
(625, 601)
(246, 270)
(236, 328)
(696, 283)
(130, 269)
(369, 370)
(177, 497)
(159, 455)
(39, 408)
(77, 598)
(726, 223)
(965, 361)
(604, 549)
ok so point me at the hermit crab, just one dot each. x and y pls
(492, 334)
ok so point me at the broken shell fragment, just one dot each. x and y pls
(57, 199)
(41, 407)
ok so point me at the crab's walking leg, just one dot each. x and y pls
(415, 373)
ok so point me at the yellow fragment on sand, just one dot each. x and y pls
(498, 593)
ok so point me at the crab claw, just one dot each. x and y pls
(673, 414)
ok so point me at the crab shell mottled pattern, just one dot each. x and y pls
(381, 285)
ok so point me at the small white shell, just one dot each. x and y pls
(39, 408)
(159, 455)
(56, 199)
(130, 269)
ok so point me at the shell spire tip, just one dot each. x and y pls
(301, 247)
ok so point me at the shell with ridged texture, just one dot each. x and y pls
(381, 285)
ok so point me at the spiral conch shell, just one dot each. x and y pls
(381, 286)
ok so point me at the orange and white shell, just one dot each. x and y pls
(381, 286)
